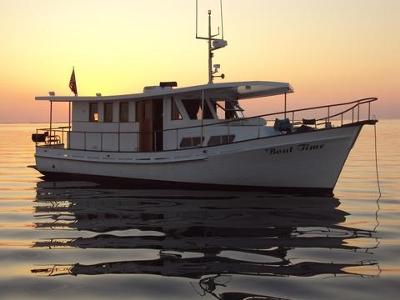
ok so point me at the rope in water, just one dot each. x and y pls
(376, 163)
(379, 186)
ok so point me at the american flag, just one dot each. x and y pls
(72, 83)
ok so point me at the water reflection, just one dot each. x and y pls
(206, 236)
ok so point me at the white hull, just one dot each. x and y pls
(311, 160)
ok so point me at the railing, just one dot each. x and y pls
(60, 137)
(52, 136)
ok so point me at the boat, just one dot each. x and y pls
(199, 136)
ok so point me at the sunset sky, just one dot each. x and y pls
(329, 50)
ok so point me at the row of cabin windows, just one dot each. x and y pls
(108, 112)
(193, 107)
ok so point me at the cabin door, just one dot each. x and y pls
(149, 115)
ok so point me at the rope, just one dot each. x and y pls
(378, 184)
(376, 164)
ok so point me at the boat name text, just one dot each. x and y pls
(297, 148)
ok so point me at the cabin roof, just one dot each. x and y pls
(237, 90)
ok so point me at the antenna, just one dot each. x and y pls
(214, 43)
(197, 13)
(222, 19)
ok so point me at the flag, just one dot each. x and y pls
(72, 83)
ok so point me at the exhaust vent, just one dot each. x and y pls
(170, 84)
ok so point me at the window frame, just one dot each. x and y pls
(176, 114)
(126, 113)
(107, 114)
(192, 108)
(93, 114)
(222, 110)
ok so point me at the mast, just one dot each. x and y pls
(210, 53)
(214, 43)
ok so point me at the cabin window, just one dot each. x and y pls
(220, 140)
(230, 109)
(93, 112)
(108, 112)
(191, 141)
(193, 107)
(227, 109)
(220, 109)
(124, 111)
(175, 113)
(207, 111)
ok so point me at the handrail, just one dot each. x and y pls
(327, 119)
(358, 102)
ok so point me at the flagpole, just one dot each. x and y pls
(51, 120)
(76, 86)
(74, 89)
(69, 121)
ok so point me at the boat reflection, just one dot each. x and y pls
(208, 236)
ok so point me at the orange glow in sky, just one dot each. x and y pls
(330, 51)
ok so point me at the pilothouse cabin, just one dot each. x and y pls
(165, 118)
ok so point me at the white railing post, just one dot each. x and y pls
(202, 117)
(329, 113)
(369, 110)
(137, 140)
(177, 138)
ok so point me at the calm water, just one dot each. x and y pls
(77, 240)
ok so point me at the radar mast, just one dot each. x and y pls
(215, 42)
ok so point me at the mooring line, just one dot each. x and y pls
(377, 182)
(376, 163)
